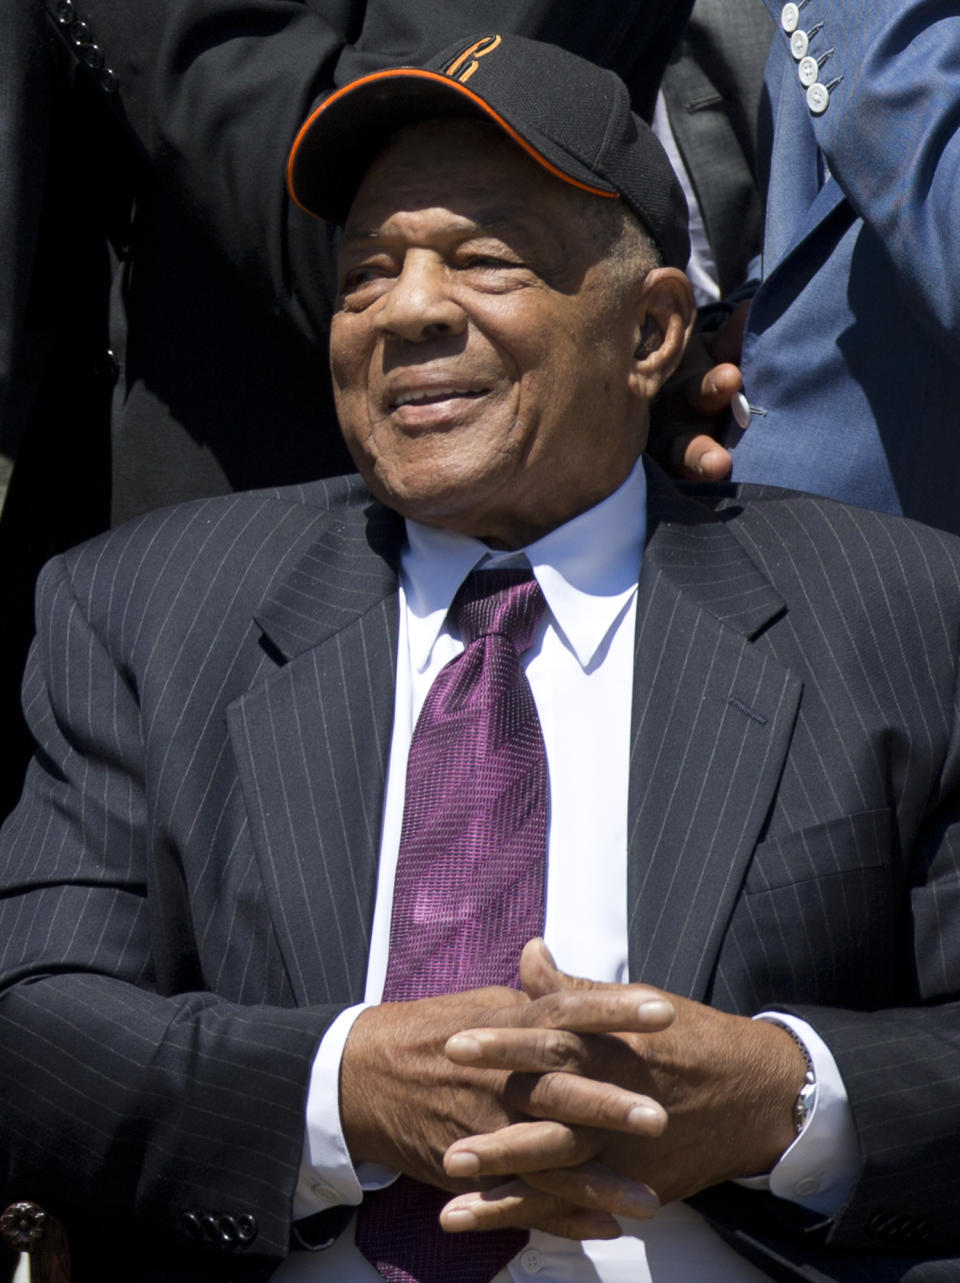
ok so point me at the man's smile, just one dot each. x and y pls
(426, 388)
(432, 396)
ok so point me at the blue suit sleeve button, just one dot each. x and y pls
(808, 71)
(790, 18)
(818, 98)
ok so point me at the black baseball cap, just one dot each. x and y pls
(572, 116)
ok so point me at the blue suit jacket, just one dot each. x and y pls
(852, 353)
(187, 886)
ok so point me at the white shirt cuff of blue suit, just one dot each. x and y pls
(820, 1168)
(817, 1171)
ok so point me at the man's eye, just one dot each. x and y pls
(357, 277)
(490, 262)
(364, 285)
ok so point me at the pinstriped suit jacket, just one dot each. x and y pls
(187, 885)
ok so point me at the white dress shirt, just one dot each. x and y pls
(580, 669)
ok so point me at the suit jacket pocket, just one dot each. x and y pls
(834, 848)
(817, 922)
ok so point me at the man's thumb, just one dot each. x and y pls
(539, 974)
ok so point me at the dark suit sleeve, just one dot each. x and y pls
(214, 91)
(132, 1104)
(901, 1065)
(849, 912)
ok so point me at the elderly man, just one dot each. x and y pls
(317, 767)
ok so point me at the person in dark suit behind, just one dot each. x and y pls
(707, 123)
(197, 1072)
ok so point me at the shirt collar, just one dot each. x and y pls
(587, 570)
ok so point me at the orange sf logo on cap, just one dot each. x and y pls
(479, 49)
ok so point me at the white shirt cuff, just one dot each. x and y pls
(327, 1174)
(820, 1168)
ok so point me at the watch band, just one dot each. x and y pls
(807, 1095)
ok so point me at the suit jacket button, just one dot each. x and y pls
(878, 1223)
(107, 81)
(818, 98)
(210, 1228)
(190, 1224)
(808, 71)
(92, 56)
(66, 12)
(799, 45)
(886, 1224)
(247, 1228)
(80, 33)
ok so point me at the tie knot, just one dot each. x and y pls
(508, 602)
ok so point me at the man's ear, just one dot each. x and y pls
(665, 316)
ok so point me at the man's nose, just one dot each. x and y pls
(419, 303)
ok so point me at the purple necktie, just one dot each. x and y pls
(469, 889)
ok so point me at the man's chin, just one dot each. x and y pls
(459, 509)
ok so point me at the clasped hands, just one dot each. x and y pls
(569, 1104)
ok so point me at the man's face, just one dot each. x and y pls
(482, 349)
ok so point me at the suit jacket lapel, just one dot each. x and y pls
(712, 718)
(312, 743)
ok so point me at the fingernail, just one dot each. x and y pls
(657, 1009)
(462, 1163)
(639, 1119)
(463, 1046)
(638, 1201)
(458, 1219)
